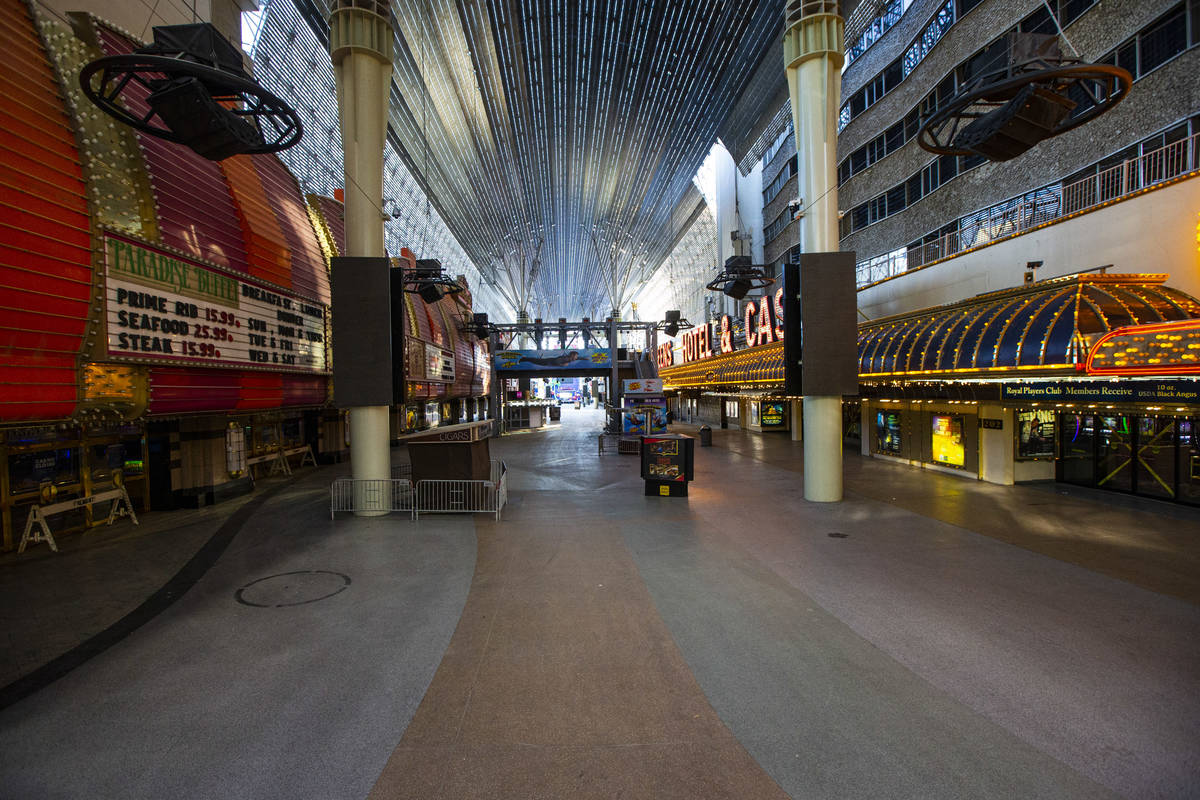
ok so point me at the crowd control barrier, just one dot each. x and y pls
(425, 497)
(383, 494)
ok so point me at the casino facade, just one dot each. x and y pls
(165, 319)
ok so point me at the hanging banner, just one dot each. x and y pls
(163, 307)
(642, 386)
(552, 360)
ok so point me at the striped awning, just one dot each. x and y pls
(755, 366)
(1047, 327)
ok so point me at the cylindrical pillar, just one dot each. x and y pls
(360, 44)
(813, 54)
(370, 425)
(615, 391)
(822, 438)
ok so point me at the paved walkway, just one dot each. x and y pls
(954, 639)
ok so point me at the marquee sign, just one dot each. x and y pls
(163, 307)
(439, 364)
(763, 325)
(1109, 391)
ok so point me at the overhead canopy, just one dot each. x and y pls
(557, 139)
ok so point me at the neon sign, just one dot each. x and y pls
(763, 323)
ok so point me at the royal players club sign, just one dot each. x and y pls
(162, 307)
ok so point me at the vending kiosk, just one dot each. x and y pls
(668, 463)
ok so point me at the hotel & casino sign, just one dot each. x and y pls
(763, 323)
(163, 307)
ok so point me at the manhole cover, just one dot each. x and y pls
(836, 535)
(292, 588)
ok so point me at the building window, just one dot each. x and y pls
(934, 31)
(890, 15)
(991, 58)
(1161, 157)
(1035, 434)
(887, 432)
(891, 75)
(1162, 42)
(779, 142)
(777, 225)
(785, 174)
(947, 440)
(1153, 46)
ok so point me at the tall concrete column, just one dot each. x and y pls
(360, 45)
(813, 50)
(615, 389)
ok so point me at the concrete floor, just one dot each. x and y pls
(955, 640)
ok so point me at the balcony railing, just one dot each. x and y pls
(1029, 211)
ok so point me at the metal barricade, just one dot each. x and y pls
(464, 497)
(428, 496)
(387, 495)
(627, 446)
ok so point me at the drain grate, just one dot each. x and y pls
(837, 535)
(292, 588)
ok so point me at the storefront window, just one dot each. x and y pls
(268, 437)
(1077, 435)
(235, 449)
(28, 471)
(1035, 434)
(754, 420)
(1115, 454)
(432, 417)
(1156, 457)
(948, 440)
(104, 460)
(291, 432)
(134, 459)
(887, 432)
(1189, 461)
(774, 414)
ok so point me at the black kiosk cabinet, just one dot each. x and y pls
(668, 463)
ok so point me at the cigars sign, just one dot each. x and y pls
(763, 323)
(163, 307)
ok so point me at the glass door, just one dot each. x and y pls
(1077, 439)
(1189, 460)
(1114, 463)
(1155, 473)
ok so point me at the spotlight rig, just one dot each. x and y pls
(189, 87)
(673, 323)
(1036, 95)
(478, 326)
(427, 280)
(738, 277)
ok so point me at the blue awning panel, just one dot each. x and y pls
(1048, 324)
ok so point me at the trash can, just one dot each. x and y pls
(705, 436)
